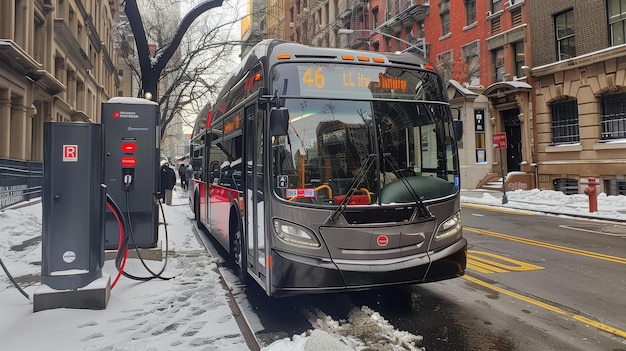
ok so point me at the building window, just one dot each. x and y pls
(375, 17)
(565, 121)
(617, 21)
(498, 64)
(40, 32)
(471, 65)
(496, 26)
(613, 118)
(444, 64)
(444, 14)
(519, 59)
(496, 6)
(445, 23)
(516, 17)
(481, 140)
(470, 11)
(565, 39)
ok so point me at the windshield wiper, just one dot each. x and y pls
(357, 180)
(423, 211)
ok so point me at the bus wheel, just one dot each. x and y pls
(196, 212)
(239, 254)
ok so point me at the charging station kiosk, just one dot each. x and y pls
(131, 161)
(73, 203)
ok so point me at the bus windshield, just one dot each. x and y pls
(333, 146)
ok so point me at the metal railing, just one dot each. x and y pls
(19, 181)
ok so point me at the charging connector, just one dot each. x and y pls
(127, 180)
(127, 176)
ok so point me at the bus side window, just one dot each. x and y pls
(196, 167)
(215, 172)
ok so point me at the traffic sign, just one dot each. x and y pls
(499, 140)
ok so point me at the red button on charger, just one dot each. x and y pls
(129, 147)
(129, 161)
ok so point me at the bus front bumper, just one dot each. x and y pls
(295, 274)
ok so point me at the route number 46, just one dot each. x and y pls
(317, 78)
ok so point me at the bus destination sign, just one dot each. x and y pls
(358, 81)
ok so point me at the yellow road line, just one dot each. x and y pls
(596, 255)
(473, 267)
(595, 324)
(484, 268)
(476, 262)
(485, 264)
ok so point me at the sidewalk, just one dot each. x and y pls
(612, 208)
(188, 312)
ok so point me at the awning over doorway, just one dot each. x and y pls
(501, 88)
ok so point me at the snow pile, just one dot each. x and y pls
(365, 329)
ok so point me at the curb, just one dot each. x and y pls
(513, 210)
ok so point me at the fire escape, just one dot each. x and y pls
(402, 19)
(403, 15)
(359, 14)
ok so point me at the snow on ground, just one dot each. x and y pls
(190, 311)
(549, 201)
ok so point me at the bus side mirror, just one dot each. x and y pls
(457, 127)
(279, 121)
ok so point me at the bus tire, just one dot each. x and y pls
(196, 211)
(238, 253)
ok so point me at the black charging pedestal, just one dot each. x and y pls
(131, 157)
(73, 203)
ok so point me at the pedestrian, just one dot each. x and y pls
(168, 180)
(189, 175)
(182, 173)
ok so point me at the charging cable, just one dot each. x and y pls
(13, 280)
(127, 234)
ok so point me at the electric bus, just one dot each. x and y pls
(324, 170)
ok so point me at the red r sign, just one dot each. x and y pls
(70, 153)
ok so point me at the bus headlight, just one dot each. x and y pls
(451, 227)
(295, 235)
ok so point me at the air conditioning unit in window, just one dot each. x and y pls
(291, 24)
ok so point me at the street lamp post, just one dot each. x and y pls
(420, 46)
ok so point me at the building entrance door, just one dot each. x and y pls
(514, 139)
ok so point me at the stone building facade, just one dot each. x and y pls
(56, 64)
(579, 93)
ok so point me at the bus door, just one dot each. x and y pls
(254, 215)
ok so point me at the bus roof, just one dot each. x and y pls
(267, 51)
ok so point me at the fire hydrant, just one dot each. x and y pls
(592, 193)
